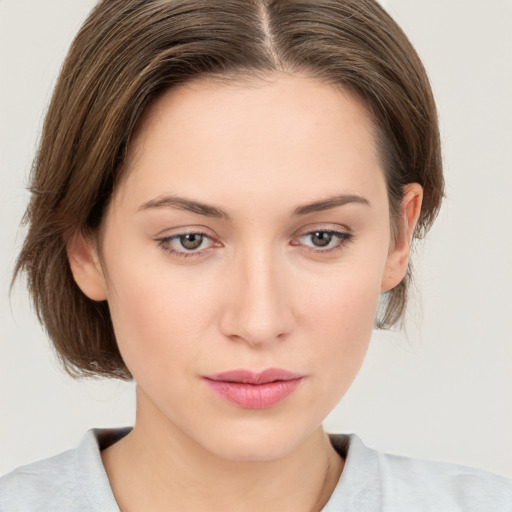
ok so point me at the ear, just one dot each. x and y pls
(86, 267)
(400, 250)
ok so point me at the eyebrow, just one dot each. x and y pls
(329, 203)
(189, 205)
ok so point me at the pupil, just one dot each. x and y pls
(321, 238)
(191, 241)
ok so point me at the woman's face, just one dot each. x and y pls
(249, 234)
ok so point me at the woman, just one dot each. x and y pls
(223, 192)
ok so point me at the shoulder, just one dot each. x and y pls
(391, 482)
(48, 484)
(438, 484)
(73, 481)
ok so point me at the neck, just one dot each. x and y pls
(157, 465)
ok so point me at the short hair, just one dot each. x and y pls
(128, 52)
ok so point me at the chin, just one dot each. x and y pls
(256, 443)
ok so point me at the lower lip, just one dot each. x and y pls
(254, 396)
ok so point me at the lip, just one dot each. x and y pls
(254, 390)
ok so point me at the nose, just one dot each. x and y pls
(258, 306)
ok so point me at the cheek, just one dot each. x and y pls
(342, 300)
(340, 320)
(345, 301)
(159, 316)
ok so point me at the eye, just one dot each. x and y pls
(321, 238)
(186, 244)
(191, 241)
(324, 240)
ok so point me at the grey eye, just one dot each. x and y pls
(191, 241)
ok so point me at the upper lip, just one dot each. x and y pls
(250, 377)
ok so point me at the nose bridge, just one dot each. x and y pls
(259, 310)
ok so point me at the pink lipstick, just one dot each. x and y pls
(254, 390)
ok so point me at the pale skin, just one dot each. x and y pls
(290, 262)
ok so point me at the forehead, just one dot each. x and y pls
(286, 131)
(250, 102)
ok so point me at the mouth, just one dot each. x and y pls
(254, 390)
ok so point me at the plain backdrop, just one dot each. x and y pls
(439, 389)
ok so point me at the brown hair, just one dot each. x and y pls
(129, 51)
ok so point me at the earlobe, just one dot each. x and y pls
(400, 250)
(86, 267)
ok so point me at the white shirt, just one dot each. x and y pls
(76, 481)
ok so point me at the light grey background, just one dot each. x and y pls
(440, 390)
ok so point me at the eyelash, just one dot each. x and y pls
(164, 244)
(343, 237)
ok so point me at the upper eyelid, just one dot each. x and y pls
(331, 228)
(184, 233)
(166, 243)
(201, 230)
(343, 236)
(332, 231)
(184, 230)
